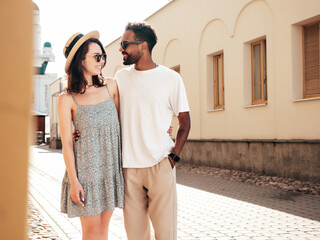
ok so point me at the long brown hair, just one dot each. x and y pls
(76, 80)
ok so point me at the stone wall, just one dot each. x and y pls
(298, 159)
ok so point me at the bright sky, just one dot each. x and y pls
(59, 19)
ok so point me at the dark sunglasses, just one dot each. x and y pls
(125, 44)
(99, 56)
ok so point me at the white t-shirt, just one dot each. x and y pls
(148, 99)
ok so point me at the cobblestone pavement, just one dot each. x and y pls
(286, 184)
(38, 227)
(210, 207)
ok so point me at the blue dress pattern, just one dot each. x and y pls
(97, 160)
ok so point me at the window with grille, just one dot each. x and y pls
(311, 80)
(218, 81)
(259, 72)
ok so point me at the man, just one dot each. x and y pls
(149, 95)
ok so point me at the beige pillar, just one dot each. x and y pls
(15, 102)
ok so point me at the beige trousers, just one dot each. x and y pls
(150, 193)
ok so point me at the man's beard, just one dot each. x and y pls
(132, 59)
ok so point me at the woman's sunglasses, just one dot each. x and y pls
(99, 56)
(125, 44)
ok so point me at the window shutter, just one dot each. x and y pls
(311, 61)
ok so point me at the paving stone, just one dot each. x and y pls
(38, 228)
(213, 204)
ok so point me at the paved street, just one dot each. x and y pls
(209, 207)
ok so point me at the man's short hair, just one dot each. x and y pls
(143, 32)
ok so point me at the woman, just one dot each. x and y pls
(93, 183)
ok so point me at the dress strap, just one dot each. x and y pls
(108, 90)
(74, 99)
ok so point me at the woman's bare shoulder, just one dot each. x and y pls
(111, 82)
(65, 98)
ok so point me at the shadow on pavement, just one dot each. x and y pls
(306, 206)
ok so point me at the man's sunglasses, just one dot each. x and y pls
(125, 44)
(99, 56)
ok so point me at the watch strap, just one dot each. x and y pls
(175, 157)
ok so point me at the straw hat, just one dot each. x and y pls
(73, 44)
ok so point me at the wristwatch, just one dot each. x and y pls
(174, 157)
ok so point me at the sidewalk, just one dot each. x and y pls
(209, 207)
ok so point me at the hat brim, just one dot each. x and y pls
(93, 34)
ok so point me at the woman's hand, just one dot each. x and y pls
(76, 191)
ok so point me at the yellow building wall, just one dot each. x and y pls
(15, 101)
(190, 32)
